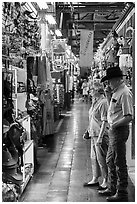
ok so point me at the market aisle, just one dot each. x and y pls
(65, 164)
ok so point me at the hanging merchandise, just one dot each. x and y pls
(42, 72)
(58, 54)
(7, 99)
(55, 92)
(49, 78)
(60, 94)
(112, 57)
(12, 152)
(86, 48)
(35, 112)
(30, 64)
(35, 67)
(20, 44)
(58, 98)
(48, 119)
(126, 64)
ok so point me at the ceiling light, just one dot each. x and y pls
(58, 33)
(42, 5)
(50, 19)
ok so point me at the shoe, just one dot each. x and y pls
(106, 192)
(91, 184)
(118, 198)
(100, 188)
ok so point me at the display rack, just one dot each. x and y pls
(28, 152)
(16, 46)
(28, 161)
(19, 96)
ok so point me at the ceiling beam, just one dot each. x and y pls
(93, 21)
(98, 28)
(91, 8)
(79, 17)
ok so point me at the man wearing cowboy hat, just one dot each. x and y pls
(119, 116)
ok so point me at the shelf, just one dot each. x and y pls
(6, 109)
(27, 145)
(27, 178)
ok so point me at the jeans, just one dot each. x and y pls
(116, 159)
(98, 157)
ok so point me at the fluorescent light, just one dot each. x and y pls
(42, 5)
(51, 32)
(31, 7)
(58, 33)
(50, 19)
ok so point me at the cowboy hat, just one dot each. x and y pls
(111, 73)
(4, 168)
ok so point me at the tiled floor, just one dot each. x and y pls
(64, 164)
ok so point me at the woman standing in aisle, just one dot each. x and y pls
(98, 133)
(85, 88)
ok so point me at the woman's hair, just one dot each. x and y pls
(98, 85)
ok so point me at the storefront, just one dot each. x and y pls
(119, 48)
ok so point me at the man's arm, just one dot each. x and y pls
(108, 94)
(123, 121)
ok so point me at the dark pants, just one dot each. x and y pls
(116, 159)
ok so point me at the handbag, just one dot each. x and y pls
(86, 135)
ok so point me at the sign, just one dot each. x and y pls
(58, 54)
(86, 48)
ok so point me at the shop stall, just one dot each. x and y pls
(17, 142)
(119, 49)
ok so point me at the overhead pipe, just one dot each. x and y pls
(61, 20)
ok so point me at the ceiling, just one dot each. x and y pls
(98, 16)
